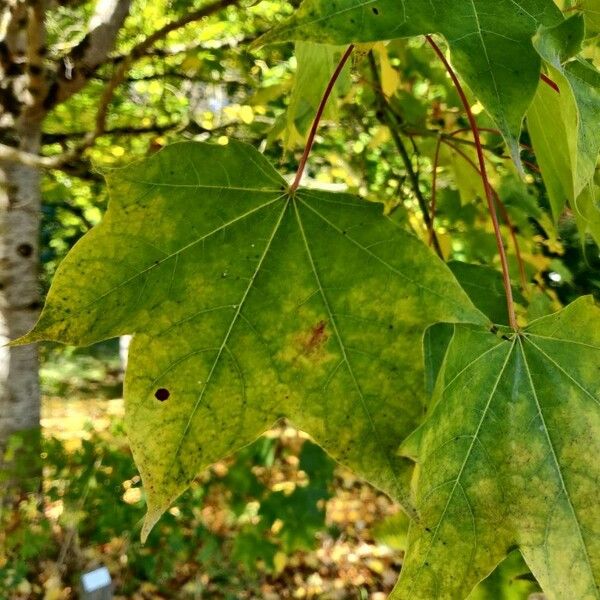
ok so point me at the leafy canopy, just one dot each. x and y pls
(490, 41)
(248, 304)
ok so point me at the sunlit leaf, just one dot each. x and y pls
(315, 65)
(250, 303)
(565, 125)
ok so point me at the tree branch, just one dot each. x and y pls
(387, 117)
(59, 138)
(55, 162)
(10, 153)
(137, 52)
(195, 15)
(170, 52)
(190, 128)
(80, 64)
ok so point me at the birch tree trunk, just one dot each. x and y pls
(29, 88)
(20, 213)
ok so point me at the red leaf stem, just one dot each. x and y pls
(505, 215)
(512, 315)
(313, 130)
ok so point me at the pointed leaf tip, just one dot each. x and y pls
(150, 520)
(24, 340)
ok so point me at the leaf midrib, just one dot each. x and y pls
(556, 461)
(198, 186)
(229, 330)
(463, 466)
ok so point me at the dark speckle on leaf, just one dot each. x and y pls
(162, 394)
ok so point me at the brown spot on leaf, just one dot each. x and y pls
(317, 337)
(307, 347)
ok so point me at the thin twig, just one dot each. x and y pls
(320, 110)
(486, 130)
(388, 117)
(436, 162)
(505, 215)
(486, 183)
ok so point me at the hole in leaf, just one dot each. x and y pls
(162, 394)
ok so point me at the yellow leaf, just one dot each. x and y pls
(390, 78)
(280, 561)
(246, 114)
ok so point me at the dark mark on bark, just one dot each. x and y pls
(25, 250)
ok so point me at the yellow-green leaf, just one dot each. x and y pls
(508, 459)
(315, 65)
(565, 126)
(250, 303)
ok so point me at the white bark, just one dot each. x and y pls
(124, 343)
(20, 195)
(84, 59)
(19, 288)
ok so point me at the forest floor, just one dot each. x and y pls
(211, 544)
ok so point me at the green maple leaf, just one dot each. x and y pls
(249, 303)
(490, 41)
(565, 126)
(315, 65)
(511, 580)
(508, 458)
